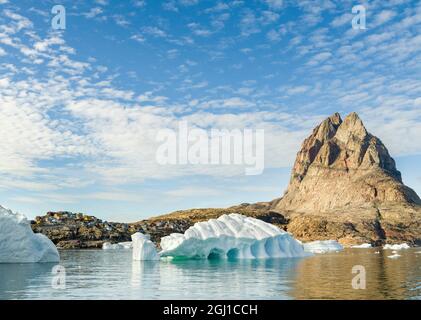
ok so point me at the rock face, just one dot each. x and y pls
(341, 165)
(345, 185)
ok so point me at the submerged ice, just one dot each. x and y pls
(229, 236)
(18, 243)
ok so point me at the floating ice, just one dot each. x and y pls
(117, 246)
(143, 248)
(19, 244)
(362, 246)
(232, 236)
(322, 246)
(394, 256)
(396, 246)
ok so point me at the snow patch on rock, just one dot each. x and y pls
(19, 244)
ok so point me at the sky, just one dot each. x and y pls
(80, 108)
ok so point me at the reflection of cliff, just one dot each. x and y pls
(329, 276)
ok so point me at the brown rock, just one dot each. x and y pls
(344, 176)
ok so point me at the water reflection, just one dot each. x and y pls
(112, 274)
(330, 276)
(145, 278)
(238, 279)
(15, 279)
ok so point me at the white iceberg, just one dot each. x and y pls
(19, 244)
(322, 246)
(232, 236)
(116, 246)
(143, 248)
(396, 246)
(362, 246)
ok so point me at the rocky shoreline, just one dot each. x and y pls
(70, 230)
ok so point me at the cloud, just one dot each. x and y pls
(383, 17)
(120, 20)
(189, 2)
(64, 116)
(191, 192)
(170, 6)
(319, 58)
(18, 22)
(275, 35)
(198, 30)
(93, 12)
(297, 90)
(275, 4)
(249, 24)
(139, 3)
(138, 38)
(155, 32)
(339, 21)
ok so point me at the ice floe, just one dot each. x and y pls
(396, 246)
(362, 246)
(117, 246)
(322, 246)
(394, 256)
(143, 248)
(19, 244)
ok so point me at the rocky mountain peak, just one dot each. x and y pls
(341, 165)
(351, 128)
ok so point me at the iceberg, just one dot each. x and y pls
(396, 246)
(117, 246)
(143, 248)
(19, 244)
(362, 246)
(232, 236)
(322, 246)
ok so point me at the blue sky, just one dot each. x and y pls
(80, 107)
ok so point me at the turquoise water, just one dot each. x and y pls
(97, 274)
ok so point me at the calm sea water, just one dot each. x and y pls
(97, 274)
